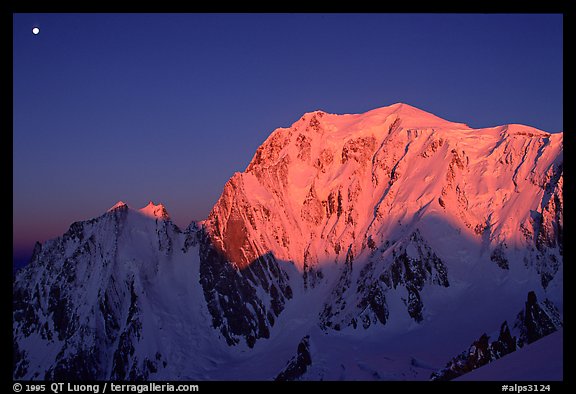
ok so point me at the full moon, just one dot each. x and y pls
(35, 30)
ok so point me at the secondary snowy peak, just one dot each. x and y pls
(151, 210)
(118, 205)
(108, 288)
(155, 211)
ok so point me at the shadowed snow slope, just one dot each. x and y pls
(383, 243)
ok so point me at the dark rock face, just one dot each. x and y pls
(125, 351)
(477, 355)
(415, 272)
(480, 353)
(19, 361)
(331, 311)
(231, 294)
(298, 365)
(412, 270)
(544, 229)
(374, 301)
(533, 322)
(505, 343)
(499, 257)
(548, 228)
(536, 321)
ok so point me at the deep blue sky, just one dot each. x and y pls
(166, 107)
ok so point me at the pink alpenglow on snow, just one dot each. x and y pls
(331, 184)
(389, 245)
(155, 211)
(119, 204)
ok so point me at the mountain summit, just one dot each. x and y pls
(395, 233)
(155, 211)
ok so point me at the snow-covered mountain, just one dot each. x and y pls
(370, 246)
